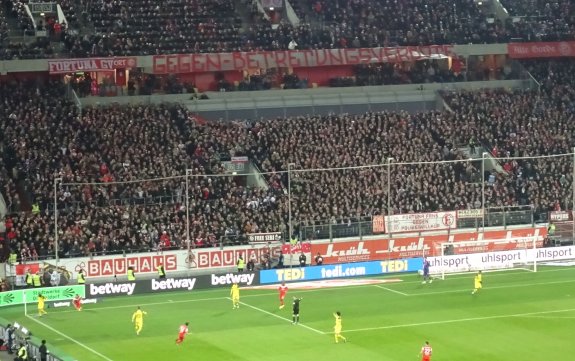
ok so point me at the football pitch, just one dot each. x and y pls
(518, 315)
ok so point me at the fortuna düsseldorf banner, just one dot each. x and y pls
(210, 62)
(416, 222)
(63, 66)
(406, 247)
(541, 49)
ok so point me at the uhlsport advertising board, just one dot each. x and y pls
(499, 260)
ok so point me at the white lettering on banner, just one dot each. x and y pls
(89, 300)
(112, 289)
(61, 304)
(415, 222)
(230, 278)
(558, 216)
(337, 271)
(211, 62)
(469, 213)
(92, 64)
(413, 248)
(498, 260)
(174, 284)
(351, 252)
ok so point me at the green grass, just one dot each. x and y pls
(517, 316)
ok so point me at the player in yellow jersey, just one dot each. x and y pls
(478, 280)
(337, 328)
(235, 295)
(138, 320)
(41, 305)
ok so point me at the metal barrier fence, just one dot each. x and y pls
(495, 217)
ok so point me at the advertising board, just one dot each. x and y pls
(168, 284)
(341, 270)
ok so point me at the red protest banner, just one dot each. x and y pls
(197, 63)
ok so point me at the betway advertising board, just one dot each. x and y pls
(341, 270)
(417, 246)
(146, 263)
(498, 260)
(171, 284)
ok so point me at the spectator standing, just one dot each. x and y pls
(302, 260)
(43, 351)
(241, 264)
(161, 271)
(81, 277)
(318, 259)
(131, 274)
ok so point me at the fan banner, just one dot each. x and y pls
(417, 222)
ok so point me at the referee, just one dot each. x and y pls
(295, 306)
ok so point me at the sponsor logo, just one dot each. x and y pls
(230, 278)
(61, 304)
(174, 284)
(413, 246)
(394, 266)
(8, 298)
(90, 300)
(68, 292)
(351, 251)
(112, 289)
(294, 274)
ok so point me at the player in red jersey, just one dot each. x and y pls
(426, 352)
(77, 302)
(182, 333)
(283, 292)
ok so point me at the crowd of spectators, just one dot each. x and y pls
(44, 137)
(179, 26)
(105, 144)
(526, 123)
(541, 20)
(145, 27)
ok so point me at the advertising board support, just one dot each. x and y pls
(56, 247)
(389, 161)
(483, 191)
(290, 227)
(188, 171)
(573, 200)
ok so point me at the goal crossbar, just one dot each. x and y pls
(485, 255)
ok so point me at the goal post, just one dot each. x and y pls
(484, 255)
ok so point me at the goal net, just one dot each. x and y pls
(484, 255)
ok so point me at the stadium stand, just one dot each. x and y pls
(540, 20)
(146, 28)
(44, 137)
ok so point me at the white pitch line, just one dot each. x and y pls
(150, 304)
(69, 338)
(326, 289)
(518, 285)
(549, 317)
(392, 290)
(456, 320)
(281, 318)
